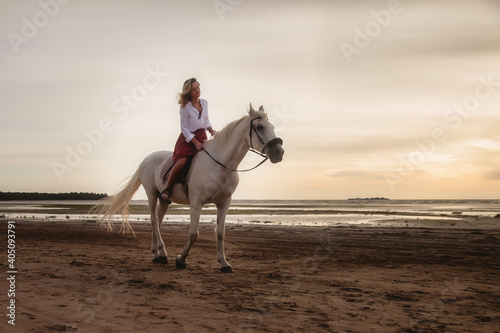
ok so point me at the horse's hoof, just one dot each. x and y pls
(160, 260)
(227, 269)
(180, 265)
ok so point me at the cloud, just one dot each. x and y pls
(354, 120)
(493, 174)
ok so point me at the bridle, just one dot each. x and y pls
(271, 143)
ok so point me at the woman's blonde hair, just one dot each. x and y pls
(185, 95)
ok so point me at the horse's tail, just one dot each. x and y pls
(118, 202)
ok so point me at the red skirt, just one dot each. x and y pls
(185, 149)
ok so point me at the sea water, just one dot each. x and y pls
(289, 212)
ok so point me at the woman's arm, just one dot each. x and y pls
(212, 131)
(208, 124)
(185, 125)
(197, 144)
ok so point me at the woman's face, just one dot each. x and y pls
(195, 90)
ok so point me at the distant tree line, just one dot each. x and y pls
(376, 198)
(14, 196)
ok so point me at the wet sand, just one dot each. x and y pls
(75, 276)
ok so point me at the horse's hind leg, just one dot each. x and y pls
(157, 244)
(162, 210)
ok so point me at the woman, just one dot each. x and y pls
(194, 123)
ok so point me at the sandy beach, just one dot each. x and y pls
(75, 276)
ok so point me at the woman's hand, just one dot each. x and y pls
(197, 144)
(212, 131)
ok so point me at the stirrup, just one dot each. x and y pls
(164, 196)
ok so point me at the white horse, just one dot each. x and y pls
(213, 178)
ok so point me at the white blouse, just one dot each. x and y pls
(192, 121)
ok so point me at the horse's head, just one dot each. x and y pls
(262, 137)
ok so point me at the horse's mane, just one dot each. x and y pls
(224, 134)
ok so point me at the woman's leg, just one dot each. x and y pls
(174, 174)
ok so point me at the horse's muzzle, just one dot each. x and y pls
(275, 150)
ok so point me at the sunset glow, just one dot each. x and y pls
(398, 99)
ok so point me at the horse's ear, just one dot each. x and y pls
(261, 108)
(251, 111)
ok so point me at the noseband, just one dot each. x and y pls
(269, 144)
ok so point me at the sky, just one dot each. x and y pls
(398, 99)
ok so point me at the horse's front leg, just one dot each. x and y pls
(195, 212)
(222, 209)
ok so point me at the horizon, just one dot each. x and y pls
(395, 99)
(260, 199)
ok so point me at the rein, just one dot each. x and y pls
(252, 149)
(236, 170)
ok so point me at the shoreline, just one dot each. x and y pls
(329, 214)
(75, 276)
(327, 221)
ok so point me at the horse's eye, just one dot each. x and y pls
(260, 127)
